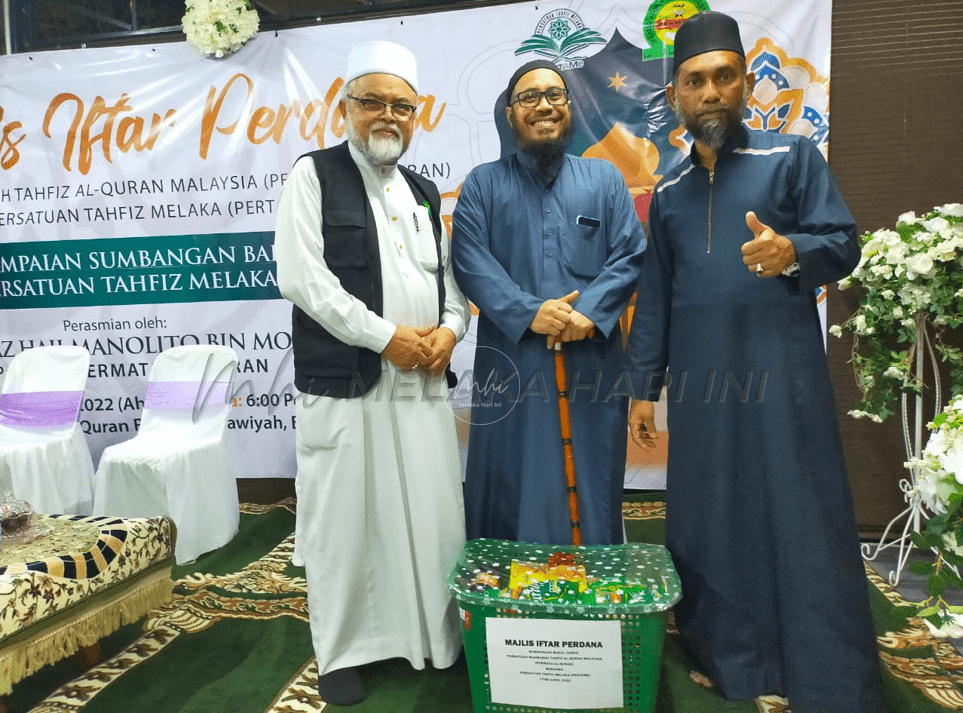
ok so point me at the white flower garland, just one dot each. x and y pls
(940, 472)
(909, 275)
(939, 484)
(219, 27)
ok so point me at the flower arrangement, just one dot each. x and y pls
(939, 483)
(913, 282)
(219, 27)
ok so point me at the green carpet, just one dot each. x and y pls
(236, 640)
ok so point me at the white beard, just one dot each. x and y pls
(381, 151)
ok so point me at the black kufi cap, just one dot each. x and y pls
(706, 32)
(528, 67)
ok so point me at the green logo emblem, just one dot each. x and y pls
(663, 20)
(560, 36)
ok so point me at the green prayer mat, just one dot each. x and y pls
(236, 640)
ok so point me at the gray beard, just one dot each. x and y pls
(381, 151)
(715, 131)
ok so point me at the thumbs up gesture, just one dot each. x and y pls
(768, 253)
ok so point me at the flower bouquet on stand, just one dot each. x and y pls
(939, 481)
(219, 28)
(912, 296)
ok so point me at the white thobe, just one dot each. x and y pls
(380, 511)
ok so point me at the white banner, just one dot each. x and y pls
(138, 184)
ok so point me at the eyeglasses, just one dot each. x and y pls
(400, 111)
(555, 96)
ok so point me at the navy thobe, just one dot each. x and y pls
(760, 518)
(519, 239)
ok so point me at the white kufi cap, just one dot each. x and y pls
(382, 57)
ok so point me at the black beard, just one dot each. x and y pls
(715, 131)
(548, 153)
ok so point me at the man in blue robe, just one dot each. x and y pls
(759, 516)
(549, 248)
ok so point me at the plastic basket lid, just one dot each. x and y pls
(647, 568)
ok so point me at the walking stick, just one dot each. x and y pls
(565, 421)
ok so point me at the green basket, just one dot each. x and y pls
(643, 622)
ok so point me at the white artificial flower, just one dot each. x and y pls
(908, 218)
(836, 330)
(860, 323)
(952, 544)
(954, 209)
(856, 413)
(897, 312)
(936, 443)
(894, 372)
(888, 237)
(927, 483)
(936, 225)
(944, 251)
(952, 629)
(887, 294)
(921, 264)
(884, 271)
(952, 460)
(897, 253)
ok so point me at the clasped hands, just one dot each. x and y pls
(560, 322)
(427, 347)
(768, 253)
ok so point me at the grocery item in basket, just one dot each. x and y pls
(561, 569)
(524, 574)
(552, 591)
(486, 578)
(604, 592)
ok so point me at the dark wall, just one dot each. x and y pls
(896, 145)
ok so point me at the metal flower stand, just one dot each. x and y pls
(915, 511)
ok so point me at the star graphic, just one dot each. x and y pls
(616, 82)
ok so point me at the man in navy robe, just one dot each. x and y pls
(549, 248)
(759, 516)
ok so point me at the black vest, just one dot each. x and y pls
(323, 364)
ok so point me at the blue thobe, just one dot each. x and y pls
(759, 516)
(519, 239)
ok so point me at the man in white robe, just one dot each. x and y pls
(380, 509)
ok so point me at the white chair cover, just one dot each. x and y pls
(44, 458)
(178, 464)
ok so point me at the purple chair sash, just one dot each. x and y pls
(172, 395)
(40, 409)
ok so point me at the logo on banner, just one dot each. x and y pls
(790, 96)
(560, 36)
(663, 20)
